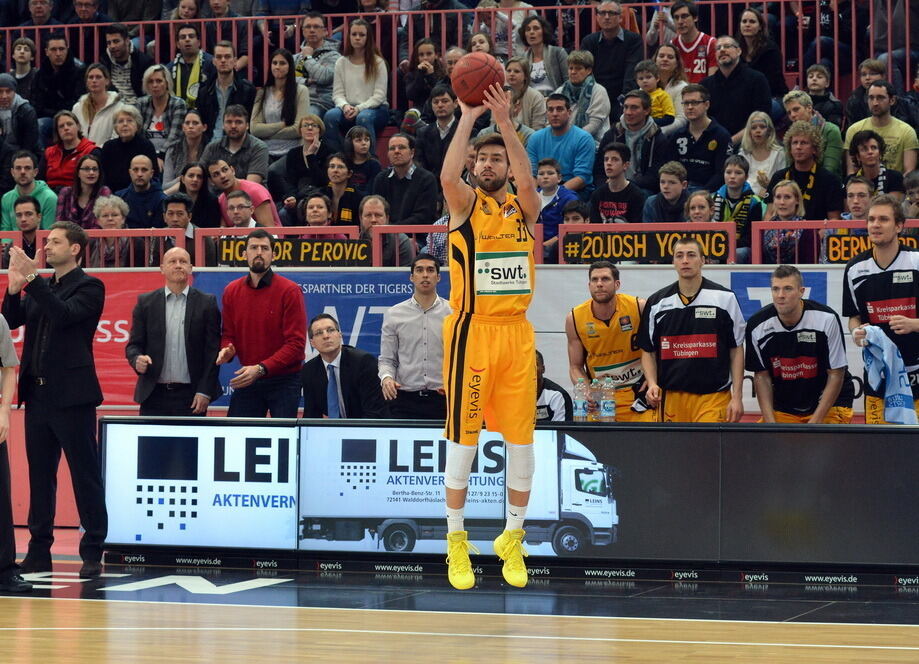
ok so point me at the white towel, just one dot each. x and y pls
(883, 362)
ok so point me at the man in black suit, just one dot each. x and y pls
(341, 381)
(175, 336)
(59, 386)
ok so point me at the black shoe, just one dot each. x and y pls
(90, 570)
(33, 565)
(14, 584)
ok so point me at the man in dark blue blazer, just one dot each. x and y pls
(58, 384)
(341, 381)
(175, 337)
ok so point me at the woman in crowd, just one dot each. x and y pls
(186, 151)
(480, 42)
(118, 152)
(67, 146)
(304, 165)
(531, 103)
(111, 213)
(76, 203)
(383, 26)
(425, 71)
(96, 109)
(280, 105)
(359, 87)
(548, 62)
(700, 207)
(345, 199)
(316, 210)
(161, 111)
(759, 52)
(672, 79)
(364, 164)
(787, 205)
(765, 155)
(192, 182)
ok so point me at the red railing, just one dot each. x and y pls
(717, 17)
(139, 245)
(760, 227)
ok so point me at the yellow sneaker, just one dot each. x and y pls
(509, 548)
(459, 568)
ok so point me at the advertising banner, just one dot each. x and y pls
(650, 492)
(207, 484)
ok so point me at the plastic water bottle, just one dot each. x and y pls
(608, 401)
(593, 403)
(580, 401)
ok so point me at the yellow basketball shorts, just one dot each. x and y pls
(689, 407)
(874, 410)
(624, 413)
(489, 376)
(835, 415)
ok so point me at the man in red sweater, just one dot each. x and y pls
(264, 323)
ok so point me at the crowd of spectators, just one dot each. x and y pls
(625, 110)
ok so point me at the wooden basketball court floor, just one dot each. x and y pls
(160, 615)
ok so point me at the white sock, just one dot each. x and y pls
(454, 520)
(515, 516)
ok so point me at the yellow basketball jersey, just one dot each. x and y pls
(492, 271)
(612, 348)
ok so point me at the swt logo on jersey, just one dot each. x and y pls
(794, 368)
(881, 311)
(689, 346)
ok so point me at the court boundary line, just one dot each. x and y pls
(452, 613)
(529, 637)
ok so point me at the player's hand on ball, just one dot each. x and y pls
(498, 101)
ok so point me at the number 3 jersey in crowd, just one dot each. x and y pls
(692, 339)
(798, 358)
(875, 294)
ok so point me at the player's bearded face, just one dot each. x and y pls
(490, 173)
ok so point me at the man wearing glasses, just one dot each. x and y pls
(616, 51)
(703, 144)
(736, 90)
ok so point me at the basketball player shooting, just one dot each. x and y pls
(489, 346)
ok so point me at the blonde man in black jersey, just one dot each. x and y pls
(797, 354)
(691, 339)
(881, 287)
(489, 346)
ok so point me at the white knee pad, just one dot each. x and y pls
(459, 465)
(520, 464)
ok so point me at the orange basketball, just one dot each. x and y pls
(475, 73)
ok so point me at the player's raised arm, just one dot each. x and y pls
(498, 101)
(458, 194)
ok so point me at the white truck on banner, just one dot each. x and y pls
(375, 487)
